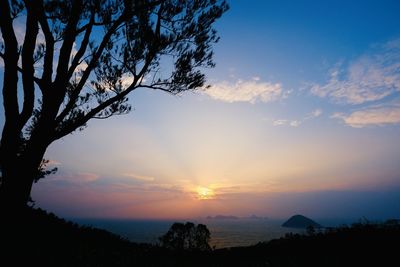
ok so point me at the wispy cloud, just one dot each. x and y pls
(53, 163)
(295, 123)
(298, 122)
(292, 123)
(138, 177)
(371, 77)
(316, 113)
(251, 91)
(74, 178)
(371, 116)
(280, 122)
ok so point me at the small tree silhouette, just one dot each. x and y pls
(310, 230)
(186, 236)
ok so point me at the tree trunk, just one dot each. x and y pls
(15, 220)
(17, 179)
(15, 188)
(19, 170)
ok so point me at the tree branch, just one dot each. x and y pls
(104, 117)
(10, 56)
(28, 50)
(90, 24)
(74, 96)
(83, 120)
(10, 136)
(48, 58)
(156, 87)
(158, 24)
(66, 48)
(155, 43)
(93, 62)
(35, 79)
(82, 48)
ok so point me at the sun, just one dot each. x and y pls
(204, 193)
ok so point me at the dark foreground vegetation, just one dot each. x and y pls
(43, 239)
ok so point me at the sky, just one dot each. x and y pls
(302, 116)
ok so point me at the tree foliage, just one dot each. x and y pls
(80, 59)
(186, 236)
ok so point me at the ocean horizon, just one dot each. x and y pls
(224, 232)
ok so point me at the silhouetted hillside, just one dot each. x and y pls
(362, 244)
(43, 239)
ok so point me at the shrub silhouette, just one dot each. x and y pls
(186, 236)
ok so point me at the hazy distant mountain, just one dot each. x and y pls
(232, 217)
(300, 221)
(223, 217)
(255, 217)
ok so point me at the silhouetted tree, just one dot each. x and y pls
(186, 237)
(310, 230)
(80, 59)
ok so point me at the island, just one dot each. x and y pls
(222, 217)
(300, 221)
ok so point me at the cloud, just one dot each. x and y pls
(138, 177)
(296, 123)
(314, 114)
(371, 77)
(87, 177)
(280, 122)
(251, 91)
(292, 123)
(372, 116)
(53, 163)
(74, 178)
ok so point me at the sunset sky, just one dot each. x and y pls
(303, 116)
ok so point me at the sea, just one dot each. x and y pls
(224, 232)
